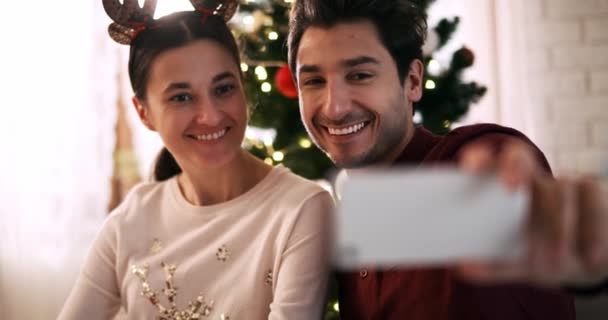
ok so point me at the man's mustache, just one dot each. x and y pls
(348, 119)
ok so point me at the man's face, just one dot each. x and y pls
(351, 99)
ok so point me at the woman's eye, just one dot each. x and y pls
(224, 89)
(182, 97)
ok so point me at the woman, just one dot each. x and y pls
(224, 235)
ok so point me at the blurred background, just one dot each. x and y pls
(72, 146)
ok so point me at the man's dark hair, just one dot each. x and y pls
(400, 24)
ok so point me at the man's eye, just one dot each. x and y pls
(224, 89)
(359, 76)
(182, 97)
(312, 82)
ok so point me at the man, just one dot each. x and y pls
(358, 69)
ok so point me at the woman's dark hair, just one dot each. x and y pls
(173, 31)
(400, 24)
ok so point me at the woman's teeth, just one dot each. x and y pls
(212, 136)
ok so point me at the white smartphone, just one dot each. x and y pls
(402, 217)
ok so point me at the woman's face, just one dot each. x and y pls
(195, 101)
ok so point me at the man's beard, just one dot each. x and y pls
(389, 138)
(392, 132)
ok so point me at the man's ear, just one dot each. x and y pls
(143, 113)
(414, 81)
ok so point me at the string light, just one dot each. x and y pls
(244, 67)
(434, 67)
(261, 73)
(430, 84)
(337, 307)
(278, 156)
(269, 161)
(266, 87)
(305, 143)
(268, 141)
(417, 117)
(273, 35)
(248, 20)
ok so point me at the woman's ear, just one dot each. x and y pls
(143, 113)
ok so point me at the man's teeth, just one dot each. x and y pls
(348, 130)
(212, 136)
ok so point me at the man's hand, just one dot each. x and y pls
(567, 229)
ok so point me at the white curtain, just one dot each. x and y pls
(58, 102)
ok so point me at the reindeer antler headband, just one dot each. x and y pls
(130, 19)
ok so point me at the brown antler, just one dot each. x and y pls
(129, 14)
(223, 8)
(129, 18)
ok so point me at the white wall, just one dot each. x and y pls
(545, 63)
(567, 73)
(565, 77)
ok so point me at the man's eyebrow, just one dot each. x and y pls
(347, 63)
(308, 68)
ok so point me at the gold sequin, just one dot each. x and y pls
(222, 253)
(156, 246)
(195, 309)
(141, 273)
(207, 309)
(268, 278)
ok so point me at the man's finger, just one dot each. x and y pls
(477, 158)
(553, 216)
(517, 165)
(593, 225)
(493, 272)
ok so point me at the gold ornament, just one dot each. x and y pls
(195, 309)
(156, 246)
(222, 253)
(268, 278)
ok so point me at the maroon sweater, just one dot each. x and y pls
(437, 293)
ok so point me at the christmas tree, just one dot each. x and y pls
(280, 137)
(262, 28)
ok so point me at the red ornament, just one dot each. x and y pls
(464, 58)
(284, 82)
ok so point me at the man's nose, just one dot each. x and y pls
(337, 101)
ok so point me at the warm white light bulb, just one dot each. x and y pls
(278, 156)
(273, 35)
(266, 87)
